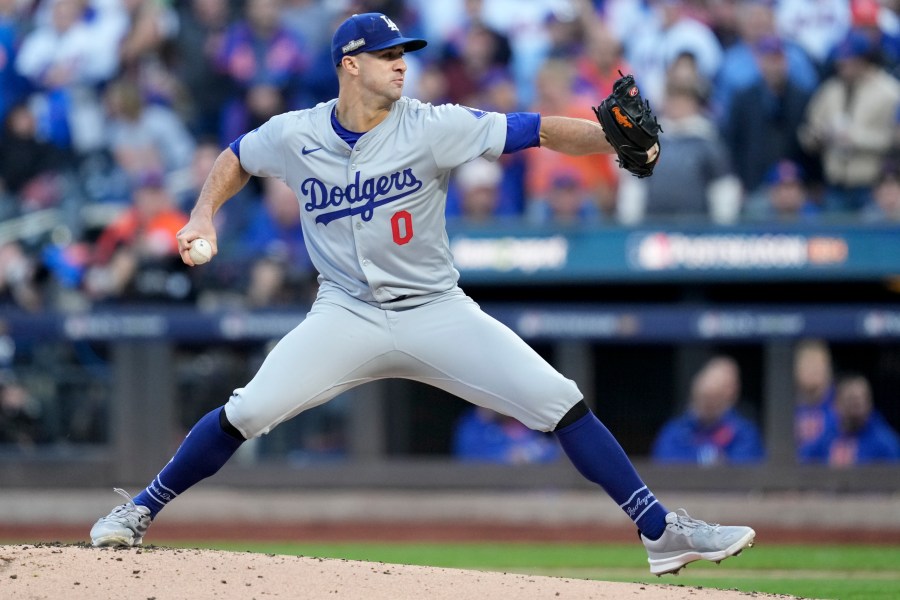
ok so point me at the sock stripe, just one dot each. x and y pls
(170, 490)
(161, 493)
(630, 498)
(638, 518)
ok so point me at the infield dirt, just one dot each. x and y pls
(78, 571)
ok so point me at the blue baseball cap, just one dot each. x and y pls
(785, 171)
(369, 32)
(769, 44)
(856, 44)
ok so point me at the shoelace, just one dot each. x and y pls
(128, 497)
(126, 510)
(685, 521)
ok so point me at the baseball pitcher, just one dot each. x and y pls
(370, 170)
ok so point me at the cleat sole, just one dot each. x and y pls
(673, 565)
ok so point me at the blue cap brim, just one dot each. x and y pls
(409, 45)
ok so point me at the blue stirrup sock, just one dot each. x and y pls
(203, 452)
(598, 456)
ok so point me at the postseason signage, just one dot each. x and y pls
(662, 251)
(612, 254)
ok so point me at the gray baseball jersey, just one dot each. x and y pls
(388, 302)
(373, 216)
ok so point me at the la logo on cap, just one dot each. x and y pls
(390, 24)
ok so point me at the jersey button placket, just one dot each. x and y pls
(360, 249)
(357, 220)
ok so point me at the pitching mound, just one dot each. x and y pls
(73, 572)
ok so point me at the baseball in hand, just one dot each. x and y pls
(200, 252)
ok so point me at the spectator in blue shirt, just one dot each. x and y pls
(711, 431)
(264, 61)
(282, 270)
(860, 434)
(483, 435)
(742, 64)
(760, 123)
(13, 88)
(813, 394)
(885, 205)
(785, 197)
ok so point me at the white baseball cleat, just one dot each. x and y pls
(124, 526)
(686, 540)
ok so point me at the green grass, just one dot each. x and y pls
(839, 572)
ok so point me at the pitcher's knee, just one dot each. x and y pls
(546, 411)
(246, 417)
(228, 427)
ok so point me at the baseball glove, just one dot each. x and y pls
(629, 126)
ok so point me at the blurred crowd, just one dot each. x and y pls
(837, 421)
(113, 112)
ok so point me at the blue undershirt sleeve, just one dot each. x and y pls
(523, 130)
(236, 146)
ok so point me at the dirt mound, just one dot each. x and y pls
(75, 572)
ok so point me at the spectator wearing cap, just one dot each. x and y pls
(786, 197)
(566, 29)
(761, 122)
(882, 26)
(744, 62)
(566, 203)
(850, 123)
(885, 205)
